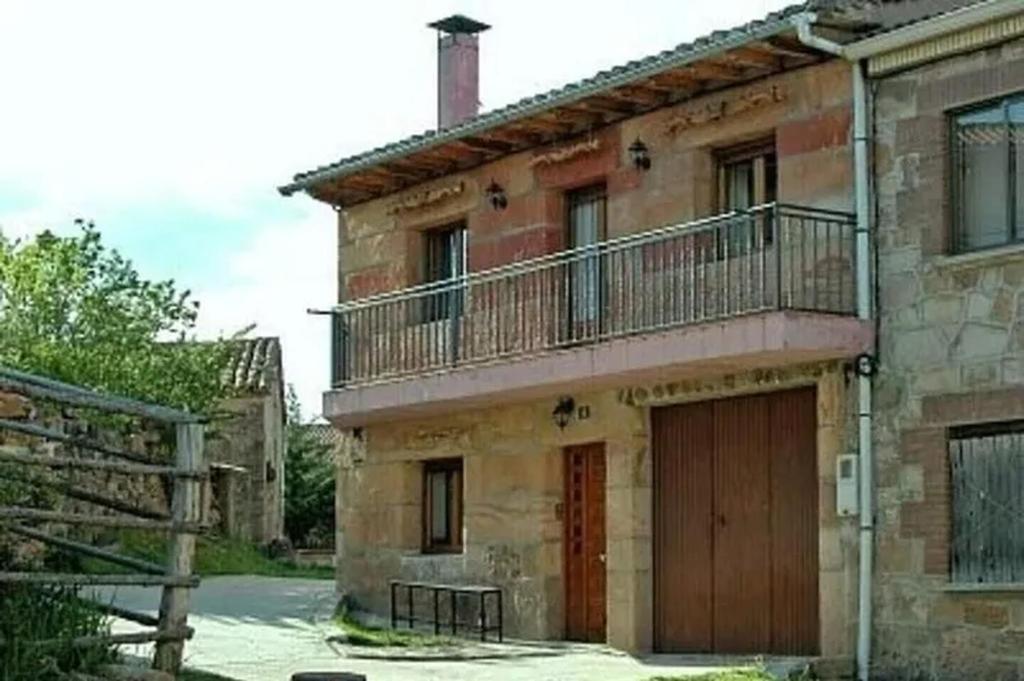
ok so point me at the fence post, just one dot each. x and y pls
(186, 507)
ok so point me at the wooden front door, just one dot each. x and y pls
(584, 542)
(736, 525)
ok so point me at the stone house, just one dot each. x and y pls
(246, 443)
(949, 141)
(615, 348)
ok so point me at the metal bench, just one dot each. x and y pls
(451, 592)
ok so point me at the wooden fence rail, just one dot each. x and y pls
(187, 474)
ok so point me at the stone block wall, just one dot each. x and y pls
(513, 491)
(806, 112)
(250, 435)
(150, 493)
(951, 347)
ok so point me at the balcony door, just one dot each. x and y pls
(444, 268)
(747, 176)
(587, 214)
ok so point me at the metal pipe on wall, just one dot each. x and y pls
(863, 202)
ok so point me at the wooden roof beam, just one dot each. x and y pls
(544, 126)
(710, 70)
(644, 97)
(579, 115)
(485, 152)
(515, 137)
(787, 48)
(659, 87)
(744, 57)
(677, 80)
(455, 153)
(488, 144)
(406, 173)
(606, 104)
(421, 162)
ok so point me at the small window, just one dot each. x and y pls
(444, 265)
(988, 175)
(987, 483)
(442, 506)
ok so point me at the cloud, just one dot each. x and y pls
(271, 280)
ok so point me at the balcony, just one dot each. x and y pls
(738, 290)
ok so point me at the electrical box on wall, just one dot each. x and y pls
(847, 494)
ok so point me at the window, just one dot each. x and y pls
(747, 176)
(988, 175)
(444, 264)
(586, 217)
(987, 485)
(442, 506)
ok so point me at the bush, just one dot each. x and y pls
(36, 627)
(308, 483)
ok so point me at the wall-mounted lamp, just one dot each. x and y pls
(563, 411)
(496, 196)
(639, 153)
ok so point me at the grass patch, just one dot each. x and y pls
(754, 674)
(358, 634)
(214, 556)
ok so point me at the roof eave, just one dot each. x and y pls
(485, 122)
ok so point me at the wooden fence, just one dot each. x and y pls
(188, 475)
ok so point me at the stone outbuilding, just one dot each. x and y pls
(246, 444)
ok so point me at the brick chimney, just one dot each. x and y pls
(458, 69)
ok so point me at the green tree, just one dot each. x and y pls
(308, 482)
(75, 310)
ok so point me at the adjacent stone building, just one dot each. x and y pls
(246, 443)
(615, 348)
(949, 116)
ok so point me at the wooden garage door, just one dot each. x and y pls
(736, 525)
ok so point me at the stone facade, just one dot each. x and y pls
(951, 348)
(513, 491)
(512, 452)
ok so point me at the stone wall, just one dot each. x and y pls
(250, 435)
(150, 493)
(806, 111)
(513, 491)
(952, 352)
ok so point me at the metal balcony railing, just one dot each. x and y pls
(773, 257)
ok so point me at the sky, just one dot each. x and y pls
(170, 124)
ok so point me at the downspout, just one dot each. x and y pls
(865, 368)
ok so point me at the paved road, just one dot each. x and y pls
(266, 629)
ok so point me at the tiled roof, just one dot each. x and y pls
(866, 15)
(254, 367)
(639, 68)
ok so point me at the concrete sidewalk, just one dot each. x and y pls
(266, 629)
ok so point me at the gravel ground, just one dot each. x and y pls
(266, 629)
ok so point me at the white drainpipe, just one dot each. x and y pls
(862, 192)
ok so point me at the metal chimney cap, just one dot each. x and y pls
(459, 23)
